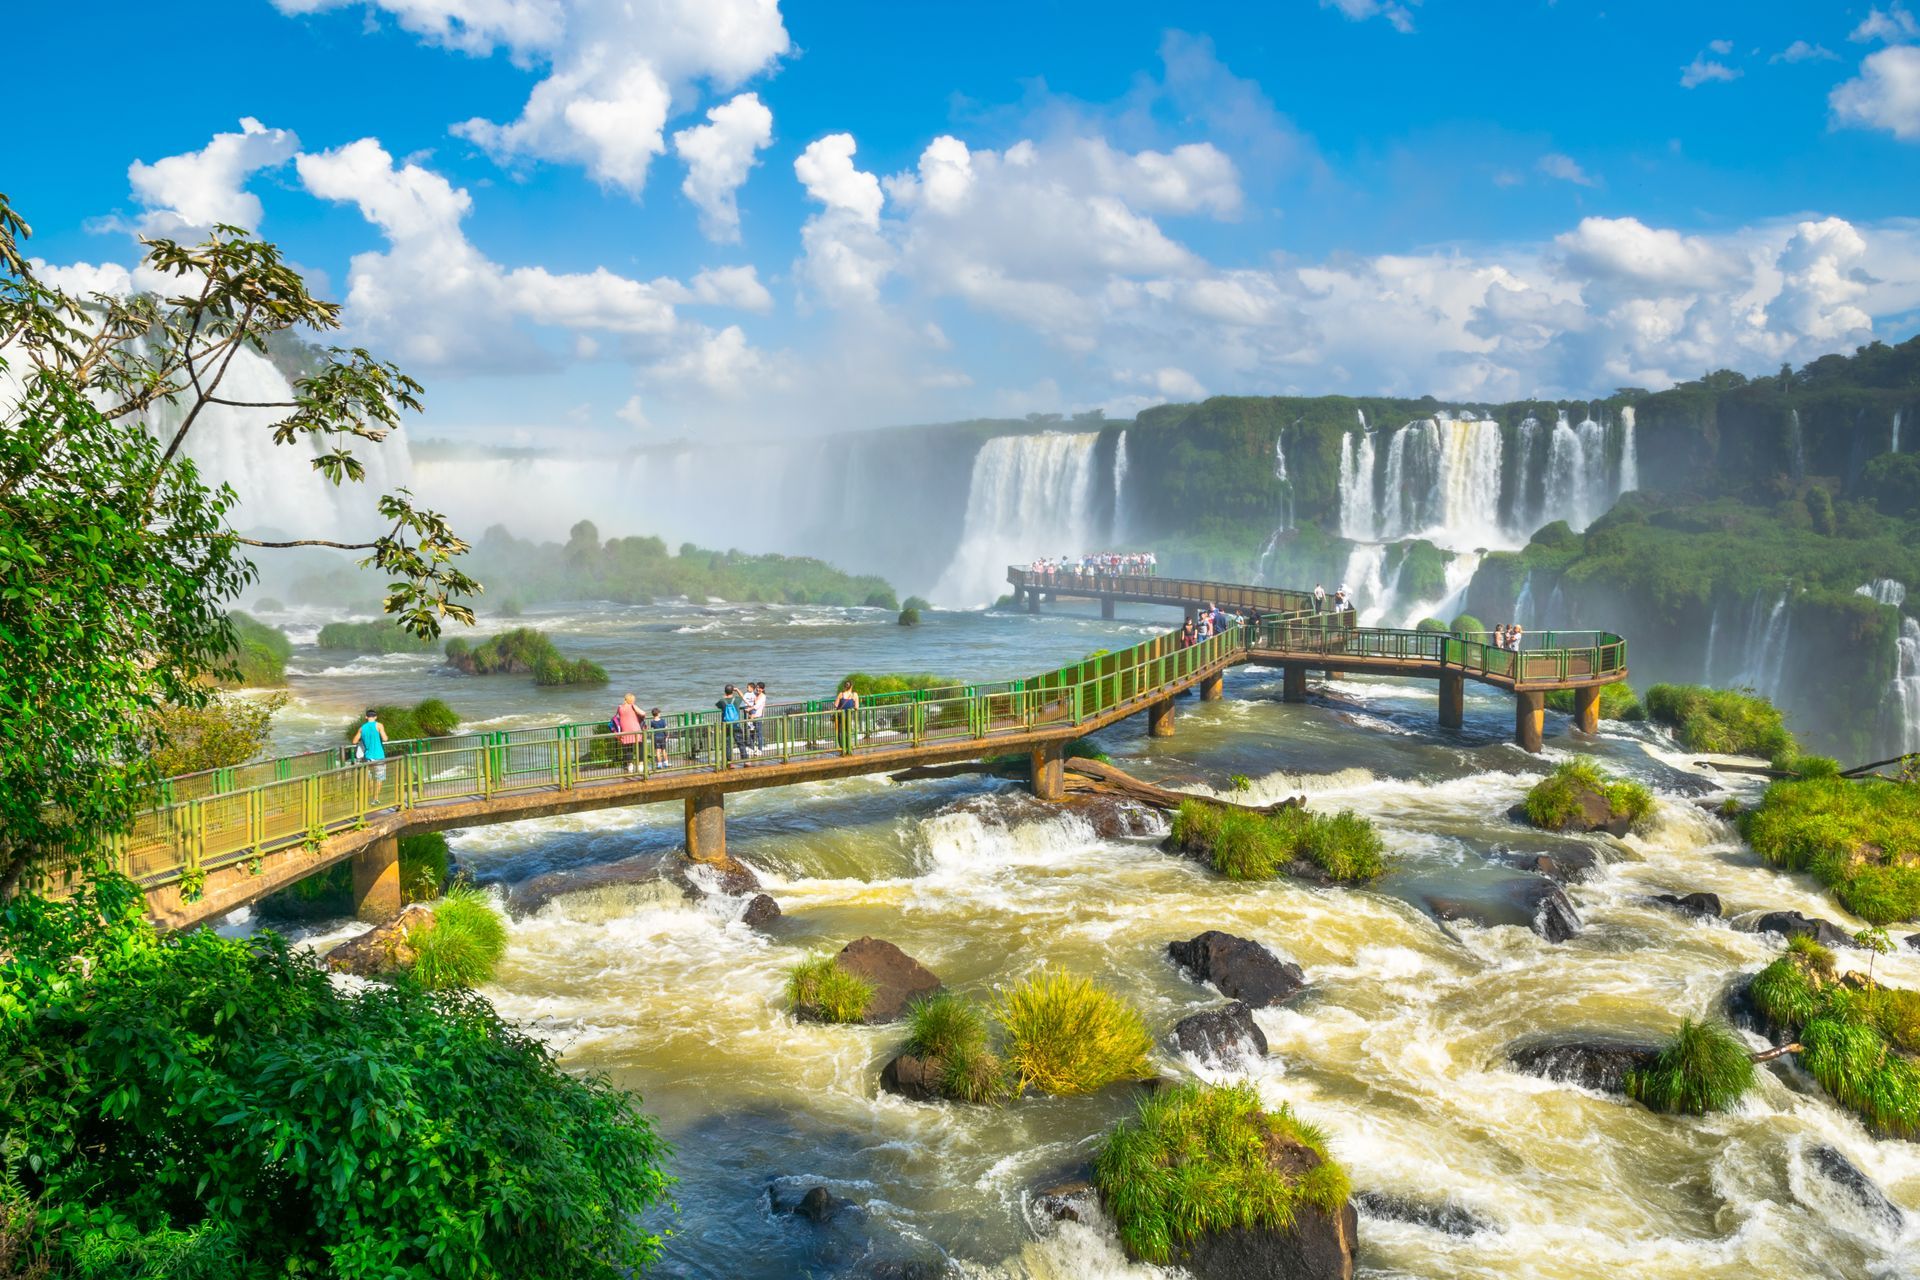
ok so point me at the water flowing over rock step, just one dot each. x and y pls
(220, 840)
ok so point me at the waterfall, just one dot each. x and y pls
(1797, 443)
(1356, 485)
(1440, 479)
(1887, 591)
(1523, 603)
(1284, 517)
(1629, 453)
(1895, 447)
(1119, 488)
(1366, 584)
(1452, 602)
(1906, 684)
(1469, 481)
(1029, 496)
(1577, 488)
(1765, 659)
(1523, 507)
(1713, 639)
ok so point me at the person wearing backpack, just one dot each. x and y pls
(846, 710)
(627, 722)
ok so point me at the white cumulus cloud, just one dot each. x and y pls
(1566, 169)
(1885, 95)
(1893, 26)
(718, 156)
(1395, 13)
(191, 192)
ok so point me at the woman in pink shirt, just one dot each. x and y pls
(627, 718)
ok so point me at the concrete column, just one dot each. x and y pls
(1106, 607)
(1293, 686)
(707, 826)
(1049, 774)
(1453, 699)
(1213, 687)
(1033, 600)
(1530, 720)
(1586, 708)
(376, 881)
(1160, 719)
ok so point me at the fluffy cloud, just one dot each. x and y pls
(1566, 169)
(846, 258)
(1801, 51)
(191, 192)
(1706, 68)
(1892, 26)
(1360, 10)
(470, 26)
(1885, 95)
(718, 155)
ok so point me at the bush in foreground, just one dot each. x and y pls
(1196, 1159)
(1860, 838)
(192, 1104)
(1856, 1043)
(428, 718)
(820, 989)
(463, 945)
(1725, 721)
(1554, 801)
(1064, 1035)
(1703, 1068)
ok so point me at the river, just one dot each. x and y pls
(1395, 1050)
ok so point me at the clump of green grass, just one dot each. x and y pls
(1860, 838)
(952, 1030)
(1244, 845)
(1197, 1159)
(463, 945)
(1786, 993)
(1064, 1035)
(1618, 701)
(1703, 1068)
(1727, 721)
(819, 988)
(1554, 801)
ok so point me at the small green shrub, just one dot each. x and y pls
(1808, 766)
(523, 651)
(953, 1031)
(1064, 1035)
(259, 654)
(1785, 992)
(1860, 838)
(909, 617)
(1815, 954)
(1554, 801)
(383, 635)
(1469, 626)
(553, 672)
(1244, 845)
(463, 945)
(423, 866)
(1345, 845)
(1617, 702)
(1195, 1160)
(1430, 624)
(429, 718)
(1703, 1068)
(1725, 721)
(819, 988)
(1853, 1061)
(868, 684)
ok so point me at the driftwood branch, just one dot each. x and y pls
(1771, 1054)
(1093, 777)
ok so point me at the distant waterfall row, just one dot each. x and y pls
(1031, 495)
(1467, 482)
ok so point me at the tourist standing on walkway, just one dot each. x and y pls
(846, 714)
(756, 708)
(626, 718)
(658, 723)
(1319, 598)
(373, 745)
(733, 727)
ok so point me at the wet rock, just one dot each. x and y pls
(1239, 968)
(382, 949)
(1563, 865)
(1116, 819)
(1531, 902)
(1596, 814)
(1855, 1185)
(1071, 1201)
(727, 876)
(904, 1269)
(913, 1077)
(1599, 1063)
(1551, 915)
(1436, 1215)
(529, 896)
(1913, 940)
(1791, 924)
(1317, 1245)
(1704, 906)
(896, 977)
(761, 911)
(1227, 1035)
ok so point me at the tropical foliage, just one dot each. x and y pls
(1244, 845)
(522, 651)
(1859, 1044)
(1064, 1035)
(428, 718)
(219, 733)
(1734, 722)
(383, 635)
(952, 1030)
(1860, 838)
(1702, 1068)
(463, 945)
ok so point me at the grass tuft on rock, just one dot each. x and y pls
(1860, 838)
(820, 989)
(1854, 1062)
(1197, 1159)
(463, 945)
(1554, 801)
(1243, 845)
(1065, 1035)
(952, 1030)
(1734, 722)
(1702, 1068)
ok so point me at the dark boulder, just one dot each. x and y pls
(1227, 1035)
(761, 911)
(816, 1203)
(913, 1077)
(896, 977)
(530, 895)
(1599, 1063)
(1073, 1200)
(727, 876)
(1913, 940)
(1855, 1185)
(1436, 1215)
(1575, 862)
(1115, 819)
(1551, 915)
(382, 949)
(1239, 968)
(1317, 1245)
(1531, 902)
(1744, 1013)
(1704, 906)
(1791, 924)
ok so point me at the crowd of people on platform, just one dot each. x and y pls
(1101, 564)
(743, 715)
(1211, 621)
(1508, 636)
(1342, 600)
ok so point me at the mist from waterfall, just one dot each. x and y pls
(1119, 489)
(1762, 658)
(1028, 496)
(1895, 446)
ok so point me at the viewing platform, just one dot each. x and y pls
(218, 840)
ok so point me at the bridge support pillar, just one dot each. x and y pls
(707, 826)
(1293, 683)
(1160, 719)
(1033, 600)
(1213, 687)
(1106, 607)
(1049, 773)
(1530, 720)
(1453, 699)
(1586, 709)
(376, 881)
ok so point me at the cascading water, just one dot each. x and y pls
(1448, 606)
(1895, 446)
(1764, 656)
(1366, 582)
(1119, 488)
(1577, 489)
(1629, 453)
(1523, 604)
(1285, 516)
(1797, 444)
(1356, 484)
(1523, 505)
(1029, 495)
(1903, 702)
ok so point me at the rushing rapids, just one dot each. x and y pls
(1396, 1048)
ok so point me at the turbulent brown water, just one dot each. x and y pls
(1396, 1050)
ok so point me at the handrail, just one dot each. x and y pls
(223, 817)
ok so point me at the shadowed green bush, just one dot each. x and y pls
(381, 636)
(463, 945)
(1617, 702)
(1554, 801)
(1860, 838)
(953, 1031)
(1244, 845)
(1064, 1035)
(1734, 722)
(428, 718)
(821, 989)
(1703, 1068)
(1344, 845)
(1195, 1160)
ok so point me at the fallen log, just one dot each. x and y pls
(1095, 777)
(923, 772)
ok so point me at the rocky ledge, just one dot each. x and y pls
(1239, 968)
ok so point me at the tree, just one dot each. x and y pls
(224, 731)
(116, 558)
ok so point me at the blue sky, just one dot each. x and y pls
(634, 220)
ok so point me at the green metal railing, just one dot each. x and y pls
(205, 821)
(1185, 591)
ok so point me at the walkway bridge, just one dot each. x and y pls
(218, 840)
